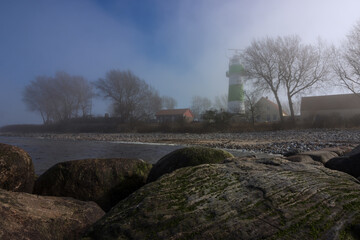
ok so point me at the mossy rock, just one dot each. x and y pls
(105, 181)
(243, 198)
(16, 169)
(185, 157)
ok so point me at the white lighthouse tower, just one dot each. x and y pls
(235, 74)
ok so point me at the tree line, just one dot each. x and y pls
(281, 65)
(60, 97)
(287, 65)
(63, 96)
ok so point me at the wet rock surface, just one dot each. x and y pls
(185, 157)
(243, 198)
(27, 216)
(16, 169)
(105, 181)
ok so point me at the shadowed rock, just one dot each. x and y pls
(349, 163)
(105, 181)
(291, 152)
(190, 156)
(16, 169)
(240, 199)
(355, 151)
(26, 216)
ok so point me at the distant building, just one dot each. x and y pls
(343, 105)
(267, 111)
(173, 115)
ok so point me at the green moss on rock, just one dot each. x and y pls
(272, 199)
(185, 157)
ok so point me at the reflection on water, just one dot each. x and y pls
(45, 153)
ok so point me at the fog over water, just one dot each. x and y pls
(178, 47)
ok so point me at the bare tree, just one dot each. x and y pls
(286, 63)
(85, 96)
(37, 98)
(132, 98)
(199, 105)
(260, 61)
(168, 102)
(220, 102)
(301, 67)
(150, 106)
(251, 109)
(346, 61)
(59, 98)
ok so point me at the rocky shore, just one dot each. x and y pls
(276, 142)
(191, 193)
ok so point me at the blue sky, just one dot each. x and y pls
(180, 47)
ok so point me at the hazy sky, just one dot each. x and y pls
(180, 47)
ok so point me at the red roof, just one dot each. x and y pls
(271, 103)
(168, 112)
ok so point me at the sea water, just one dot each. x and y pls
(46, 152)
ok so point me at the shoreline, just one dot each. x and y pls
(275, 142)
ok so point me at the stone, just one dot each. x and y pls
(320, 156)
(243, 198)
(291, 152)
(349, 163)
(340, 151)
(16, 169)
(354, 151)
(27, 216)
(104, 181)
(303, 159)
(184, 157)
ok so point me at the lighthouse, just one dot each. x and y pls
(236, 87)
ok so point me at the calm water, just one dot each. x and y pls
(45, 153)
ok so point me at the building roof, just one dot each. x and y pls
(168, 112)
(271, 103)
(330, 102)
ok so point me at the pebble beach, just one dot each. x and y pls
(275, 142)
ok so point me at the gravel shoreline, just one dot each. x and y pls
(275, 142)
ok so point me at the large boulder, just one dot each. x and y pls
(27, 216)
(16, 169)
(243, 198)
(105, 181)
(185, 157)
(349, 163)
